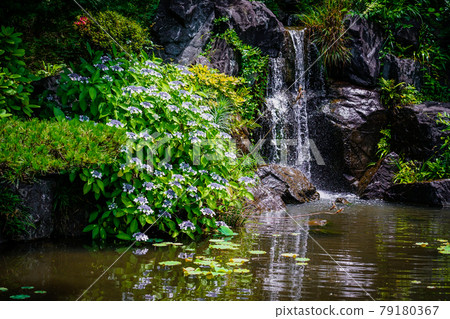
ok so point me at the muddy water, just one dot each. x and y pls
(366, 251)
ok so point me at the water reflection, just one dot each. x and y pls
(368, 248)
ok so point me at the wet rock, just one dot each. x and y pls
(402, 70)
(435, 193)
(38, 198)
(287, 182)
(223, 58)
(380, 179)
(184, 27)
(254, 23)
(415, 132)
(353, 120)
(266, 200)
(365, 43)
(408, 36)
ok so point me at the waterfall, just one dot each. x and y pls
(287, 113)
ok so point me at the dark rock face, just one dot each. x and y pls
(266, 200)
(184, 27)
(365, 43)
(381, 180)
(38, 197)
(436, 193)
(415, 132)
(223, 58)
(287, 182)
(356, 117)
(402, 70)
(409, 36)
(255, 24)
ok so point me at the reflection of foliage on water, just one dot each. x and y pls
(146, 274)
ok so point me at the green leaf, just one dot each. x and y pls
(226, 231)
(89, 228)
(134, 226)
(93, 93)
(123, 236)
(60, 116)
(86, 188)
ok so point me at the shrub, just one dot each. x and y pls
(326, 28)
(15, 79)
(397, 95)
(172, 172)
(14, 217)
(35, 148)
(127, 33)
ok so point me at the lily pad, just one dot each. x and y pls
(422, 244)
(233, 264)
(27, 287)
(416, 282)
(3, 289)
(40, 292)
(239, 260)
(223, 247)
(192, 271)
(241, 271)
(276, 235)
(209, 263)
(176, 244)
(294, 234)
(302, 259)
(161, 244)
(216, 240)
(257, 252)
(442, 240)
(444, 249)
(289, 255)
(302, 264)
(19, 297)
(169, 263)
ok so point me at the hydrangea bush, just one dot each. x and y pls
(178, 172)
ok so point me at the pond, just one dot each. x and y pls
(369, 250)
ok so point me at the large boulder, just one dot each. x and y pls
(183, 28)
(435, 193)
(289, 183)
(402, 70)
(254, 23)
(266, 200)
(350, 127)
(415, 132)
(365, 42)
(223, 58)
(379, 179)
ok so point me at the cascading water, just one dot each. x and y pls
(288, 139)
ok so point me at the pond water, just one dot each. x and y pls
(366, 251)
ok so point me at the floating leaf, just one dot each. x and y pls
(176, 244)
(302, 264)
(233, 264)
(416, 282)
(169, 263)
(431, 287)
(19, 297)
(442, 240)
(161, 244)
(422, 244)
(294, 234)
(257, 252)
(241, 270)
(209, 263)
(223, 247)
(216, 240)
(192, 271)
(27, 287)
(226, 231)
(445, 249)
(239, 260)
(289, 255)
(276, 235)
(3, 289)
(302, 259)
(40, 292)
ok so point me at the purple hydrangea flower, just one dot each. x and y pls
(134, 110)
(84, 118)
(147, 105)
(216, 186)
(147, 210)
(140, 237)
(171, 194)
(149, 186)
(127, 188)
(186, 224)
(141, 200)
(207, 211)
(115, 123)
(96, 174)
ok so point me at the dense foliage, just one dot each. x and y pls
(15, 79)
(172, 172)
(14, 217)
(395, 95)
(110, 28)
(437, 167)
(325, 25)
(35, 148)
